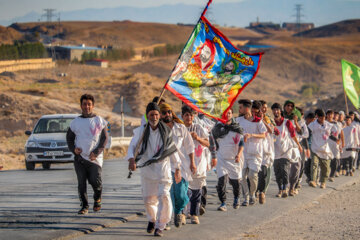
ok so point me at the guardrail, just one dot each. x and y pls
(120, 141)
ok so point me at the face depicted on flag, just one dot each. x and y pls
(211, 72)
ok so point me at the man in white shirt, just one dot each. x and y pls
(321, 134)
(154, 161)
(86, 138)
(185, 145)
(227, 147)
(254, 132)
(351, 145)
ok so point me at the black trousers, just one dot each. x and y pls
(91, 172)
(281, 169)
(195, 199)
(307, 169)
(348, 164)
(203, 196)
(221, 187)
(334, 164)
(262, 179)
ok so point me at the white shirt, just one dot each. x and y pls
(161, 170)
(320, 139)
(351, 141)
(253, 148)
(87, 136)
(200, 154)
(185, 146)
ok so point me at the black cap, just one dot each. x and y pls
(152, 106)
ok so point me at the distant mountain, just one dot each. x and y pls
(320, 12)
(335, 29)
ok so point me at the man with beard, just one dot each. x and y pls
(201, 140)
(226, 148)
(185, 145)
(254, 132)
(284, 143)
(156, 147)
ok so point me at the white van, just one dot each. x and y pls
(47, 142)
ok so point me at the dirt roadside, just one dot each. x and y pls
(334, 216)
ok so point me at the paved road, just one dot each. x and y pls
(43, 204)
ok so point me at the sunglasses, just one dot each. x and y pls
(165, 112)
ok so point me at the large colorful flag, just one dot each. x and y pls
(211, 72)
(351, 81)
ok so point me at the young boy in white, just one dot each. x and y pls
(156, 177)
(285, 141)
(335, 145)
(227, 144)
(351, 144)
(254, 132)
(201, 141)
(321, 134)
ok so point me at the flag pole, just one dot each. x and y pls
(346, 104)
(202, 14)
(163, 90)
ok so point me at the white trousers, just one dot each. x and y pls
(157, 200)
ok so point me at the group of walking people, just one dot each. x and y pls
(174, 154)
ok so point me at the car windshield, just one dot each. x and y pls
(53, 125)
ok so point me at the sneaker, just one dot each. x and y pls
(252, 201)
(202, 210)
(351, 174)
(298, 186)
(177, 220)
(150, 227)
(284, 194)
(296, 191)
(331, 179)
(336, 174)
(291, 192)
(262, 198)
(347, 173)
(158, 233)
(245, 203)
(167, 227)
(83, 211)
(222, 207)
(195, 219)
(236, 203)
(312, 184)
(183, 219)
(97, 205)
(322, 185)
(279, 194)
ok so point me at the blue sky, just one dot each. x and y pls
(15, 8)
(320, 12)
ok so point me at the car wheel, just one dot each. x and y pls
(46, 165)
(29, 165)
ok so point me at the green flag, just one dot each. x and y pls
(351, 81)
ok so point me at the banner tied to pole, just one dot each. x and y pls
(211, 72)
(351, 81)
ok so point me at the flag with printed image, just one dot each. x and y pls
(351, 81)
(211, 72)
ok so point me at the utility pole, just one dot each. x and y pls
(49, 13)
(298, 9)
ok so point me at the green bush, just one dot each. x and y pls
(168, 49)
(22, 50)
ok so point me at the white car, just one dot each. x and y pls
(47, 142)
